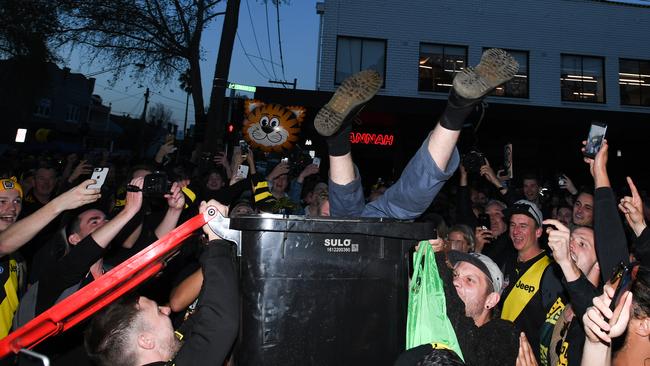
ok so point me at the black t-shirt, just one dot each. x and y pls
(68, 271)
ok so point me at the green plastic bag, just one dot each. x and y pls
(427, 320)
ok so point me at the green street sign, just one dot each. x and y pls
(247, 88)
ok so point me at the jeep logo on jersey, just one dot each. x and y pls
(525, 287)
(341, 246)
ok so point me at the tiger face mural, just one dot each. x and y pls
(272, 127)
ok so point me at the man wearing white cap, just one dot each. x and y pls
(471, 302)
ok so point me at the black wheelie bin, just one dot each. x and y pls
(324, 291)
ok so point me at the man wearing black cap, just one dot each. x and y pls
(533, 284)
(470, 303)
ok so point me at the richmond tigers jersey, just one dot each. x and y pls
(11, 278)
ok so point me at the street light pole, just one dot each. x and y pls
(215, 127)
(187, 102)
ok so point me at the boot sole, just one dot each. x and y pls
(496, 67)
(347, 101)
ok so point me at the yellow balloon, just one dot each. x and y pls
(42, 134)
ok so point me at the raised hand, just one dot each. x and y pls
(598, 165)
(632, 208)
(597, 326)
(488, 173)
(526, 356)
(310, 169)
(558, 240)
(280, 169)
(164, 150)
(221, 158)
(134, 199)
(82, 168)
(176, 198)
(483, 237)
(78, 196)
(569, 185)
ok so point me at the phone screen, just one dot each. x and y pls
(242, 171)
(595, 139)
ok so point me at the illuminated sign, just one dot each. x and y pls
(247, 88)
(371, 138)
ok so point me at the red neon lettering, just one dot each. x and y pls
(371, 139)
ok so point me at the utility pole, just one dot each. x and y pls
(215, 125)
(284, 83)
(143, 125)
(146, 104)
(187, 103)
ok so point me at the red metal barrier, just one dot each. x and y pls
(101, 292)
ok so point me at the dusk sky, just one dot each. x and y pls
(299, 32)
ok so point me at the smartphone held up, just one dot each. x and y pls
(99, 175)
(595, 139)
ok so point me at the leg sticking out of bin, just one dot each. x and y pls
(433, 163)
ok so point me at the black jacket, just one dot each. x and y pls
(211, 331)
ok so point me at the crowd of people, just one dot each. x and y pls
(530, 276)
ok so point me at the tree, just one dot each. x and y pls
(165, 35)
(160, 115)
(29, 32)
(29, 29)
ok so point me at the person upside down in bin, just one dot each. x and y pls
(137, 331)
(472, 288)
(433, 163)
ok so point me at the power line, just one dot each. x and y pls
(172, 99)
(116, 90)
(268, 37)
(277, 12)
(259, 51)
(264, 59)
(248, 57)
(120, 99)
(134, 109)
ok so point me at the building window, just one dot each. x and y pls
(517, 87)
(72, 113)
(583, 79)
(634, 81)
(438, 65)
(43, 108)
(356, 54)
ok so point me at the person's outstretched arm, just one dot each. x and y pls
(599, 332)
(211, 331)
(609, 235)
(22, 231)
